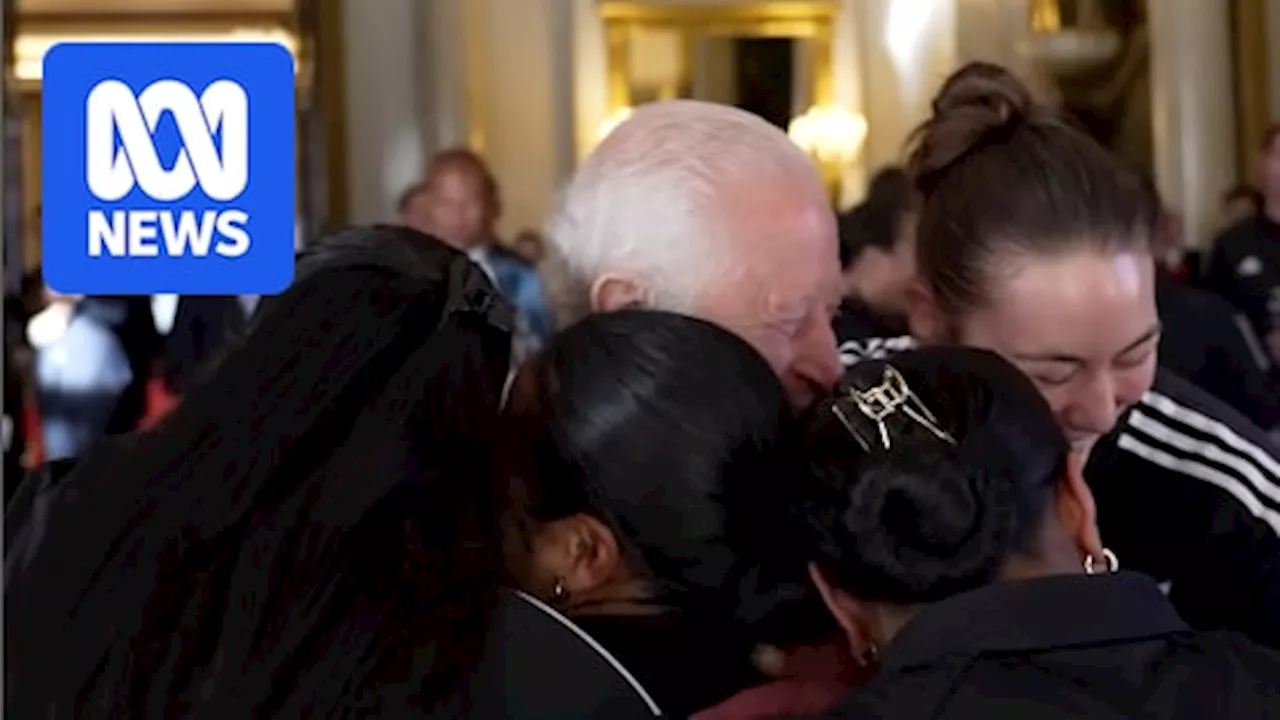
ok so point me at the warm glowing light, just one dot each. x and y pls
(831, 134)
(29, 50)
(610, 123)
(905, 27)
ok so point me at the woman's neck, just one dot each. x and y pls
(625, 598)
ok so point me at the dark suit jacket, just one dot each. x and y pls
(200, 333)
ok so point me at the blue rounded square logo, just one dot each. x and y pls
(168, 168)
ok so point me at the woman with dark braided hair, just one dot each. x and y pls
(950, 532)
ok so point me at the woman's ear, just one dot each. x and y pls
(576, 556)
(924, 318)
(846, 611)
(1076, 508)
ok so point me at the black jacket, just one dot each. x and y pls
(1072, 646)
(539, 665)
(536, 665)
(1210, 343)
(201, 330)
(1244, 268)
(1188, 491)
(864, 334)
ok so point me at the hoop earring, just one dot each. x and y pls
(558, 591)
(1090, 564)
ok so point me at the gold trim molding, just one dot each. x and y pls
(812, 21)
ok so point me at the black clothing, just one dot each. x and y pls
(129, 319)
(686, 666)
(1070, 646)
(1188, 491)
(15, 444)
(201, 330)
(864, 334)
(1210, 343)
(1244, 268)
(538, 665)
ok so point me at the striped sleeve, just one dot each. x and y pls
(1185, 440)
(1188, 491)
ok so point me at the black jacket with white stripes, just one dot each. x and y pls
(1188, 491)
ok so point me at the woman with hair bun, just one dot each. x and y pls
(951, 534)
(1035, 242)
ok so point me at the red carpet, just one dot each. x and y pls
(159, 402)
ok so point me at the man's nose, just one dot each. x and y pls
(818, 359)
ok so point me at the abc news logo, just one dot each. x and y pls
(168, 168)
(113, 171)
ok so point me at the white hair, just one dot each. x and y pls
(650, 199)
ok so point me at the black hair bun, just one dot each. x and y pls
(926, 524)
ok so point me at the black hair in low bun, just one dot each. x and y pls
(927, 518)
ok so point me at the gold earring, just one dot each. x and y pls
(1090, 564)
(558, 591)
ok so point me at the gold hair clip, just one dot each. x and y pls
(877, 403)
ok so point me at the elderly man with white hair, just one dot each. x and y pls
(710, 211)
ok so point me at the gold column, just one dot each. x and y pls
(618, 50)
(475, 21)
(1253, 101)
(332, 96)
(1193, 113)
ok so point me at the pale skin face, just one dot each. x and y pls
(782, 288)
(1082, 325)
(787, 289)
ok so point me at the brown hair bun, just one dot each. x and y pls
(979, 104)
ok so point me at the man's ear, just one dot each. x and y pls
(618, 291)
(924, 318)
(1076, 508)
(846, 610)
(580, 553)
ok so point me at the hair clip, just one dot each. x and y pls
(877, 403)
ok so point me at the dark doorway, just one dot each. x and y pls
(765, 70)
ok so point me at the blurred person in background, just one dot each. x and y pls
(129, 318)
(1203, 338)
(1244, 262)
(459, 201)
(1239, 204)
(877, 254)
(530, 246)
(196, 330)
(81, 373)
(12, 429)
